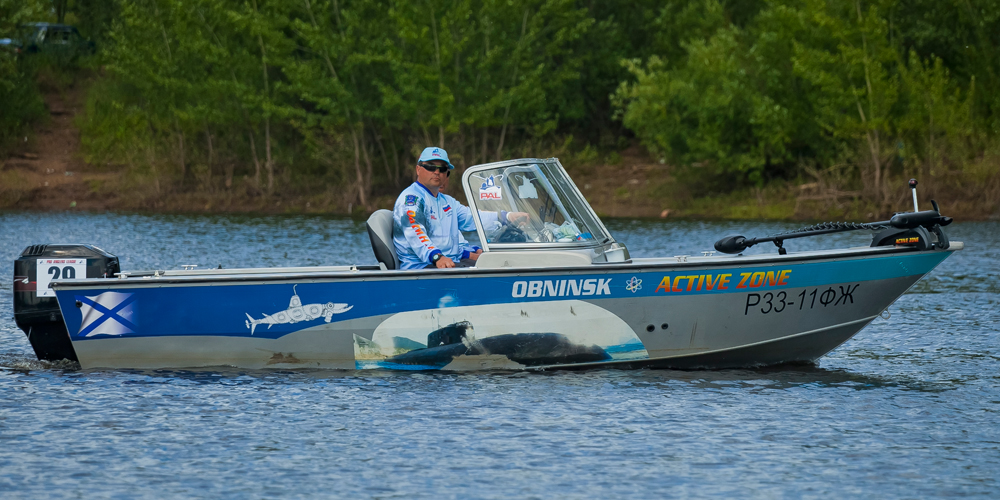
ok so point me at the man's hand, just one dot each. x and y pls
(475, 255)
(444, 263)
(519, 219)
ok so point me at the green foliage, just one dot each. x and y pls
(20, 102)
(802, 82)
(349, 90)
(339, 95)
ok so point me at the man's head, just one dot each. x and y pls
(433, 168)
(432, 153)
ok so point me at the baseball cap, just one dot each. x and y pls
(433, 153)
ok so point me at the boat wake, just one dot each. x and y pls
(29, 363)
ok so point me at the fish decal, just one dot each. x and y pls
(297, 312)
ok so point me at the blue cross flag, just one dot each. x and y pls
(110, 313)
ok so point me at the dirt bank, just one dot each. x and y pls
(47, 172)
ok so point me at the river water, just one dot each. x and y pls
(909, 408)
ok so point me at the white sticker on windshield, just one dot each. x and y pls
(490, 190)
(49, 270)
(526, 190)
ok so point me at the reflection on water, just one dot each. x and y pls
(907, 408)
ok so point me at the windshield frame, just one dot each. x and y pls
(582, 205)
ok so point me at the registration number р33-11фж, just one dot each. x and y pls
(778, 302)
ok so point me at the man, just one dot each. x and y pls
(427, 224)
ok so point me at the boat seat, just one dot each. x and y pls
(380, 232)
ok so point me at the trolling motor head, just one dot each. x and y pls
(733, 243)
(926, 219)
(915, 229)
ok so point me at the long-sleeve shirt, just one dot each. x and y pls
(424, 224)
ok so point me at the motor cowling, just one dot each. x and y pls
(36, 310)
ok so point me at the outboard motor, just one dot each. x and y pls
(36, 310)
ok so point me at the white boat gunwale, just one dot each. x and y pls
(336, 273)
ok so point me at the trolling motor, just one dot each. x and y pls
(914, 229)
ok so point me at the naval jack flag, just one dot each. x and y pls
(110, 313)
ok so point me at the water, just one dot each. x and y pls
(908, 408)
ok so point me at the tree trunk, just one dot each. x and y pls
(472, 146)
(385, 157)
(503, 133)
(873, 143)
(211, 152)
(513, 82)
(256, 161)
(183, 161)
(484, 149)
(362, 196)
(60, 11)
(368, 162)
(270, 161)
(931, 153)
(397, 168)
(427, 137)
(151, 157)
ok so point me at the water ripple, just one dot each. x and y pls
(906, 409)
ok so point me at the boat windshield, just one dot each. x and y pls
(556, 212)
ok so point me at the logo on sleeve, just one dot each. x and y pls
(411, 200)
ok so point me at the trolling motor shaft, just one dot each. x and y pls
(922, 223)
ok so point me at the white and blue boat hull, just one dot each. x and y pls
(704, 312)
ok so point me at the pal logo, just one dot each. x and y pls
(490, 190)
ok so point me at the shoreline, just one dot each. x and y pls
(296, 207)
(49, 174)
(74, 191)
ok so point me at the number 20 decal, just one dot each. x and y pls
(68, 273)
(49, 270)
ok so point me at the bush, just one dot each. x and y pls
(811, 82)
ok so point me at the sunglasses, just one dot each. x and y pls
(443, 169)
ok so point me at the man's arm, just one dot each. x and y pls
(469, 251)
(410, 218)
(466, 221)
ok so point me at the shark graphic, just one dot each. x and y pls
(297, 312)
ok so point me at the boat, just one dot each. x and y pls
(558, 292)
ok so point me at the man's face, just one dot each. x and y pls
(435, 178)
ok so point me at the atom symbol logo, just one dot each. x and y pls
(634, 284)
